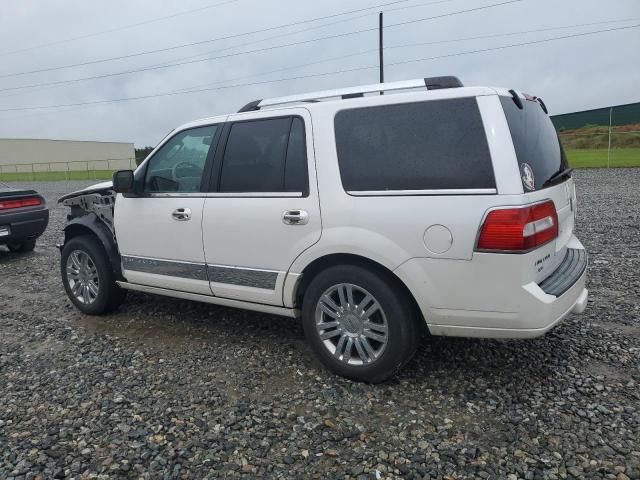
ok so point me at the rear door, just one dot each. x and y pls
(159, 232)
(264, 209)
(540, 157)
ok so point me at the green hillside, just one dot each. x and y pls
(589, 146)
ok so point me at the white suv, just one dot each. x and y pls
(434, 207)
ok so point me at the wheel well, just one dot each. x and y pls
(104, 239)
(322, 263)
(76, 230)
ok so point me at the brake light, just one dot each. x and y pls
(19, 203)
(519, 229)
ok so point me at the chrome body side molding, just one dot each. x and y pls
(242, 276)
(193, 271)
(246, 277)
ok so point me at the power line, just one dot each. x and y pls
(363, 52)
(275, 47)
(300, 77)
(162, 65)
(433, 42)
(293, 67)
(502, 47)
(278, 70)
(155, 65)
(341, 57)
(188, 62)
(117, 29)
(262, 40)
(201, 42)
(522, 32)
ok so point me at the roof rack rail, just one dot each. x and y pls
(432, 83)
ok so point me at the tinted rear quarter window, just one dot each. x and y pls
(535, 141)
(437, 144)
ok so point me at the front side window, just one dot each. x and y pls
(178, 165)
(265, 156)
(437, 144)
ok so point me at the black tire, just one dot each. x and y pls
(397, 308)
(22, 246)
(109, 296)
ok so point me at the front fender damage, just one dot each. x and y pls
(97, 200)
(91, 211)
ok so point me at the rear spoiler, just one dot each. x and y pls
(518, 101)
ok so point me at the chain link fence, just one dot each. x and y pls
(602, 147)
(608, 137)
(73, 170)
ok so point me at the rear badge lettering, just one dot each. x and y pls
(528, 180)
(539, 264)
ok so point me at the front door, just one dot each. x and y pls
(159, 232)
(264, 209)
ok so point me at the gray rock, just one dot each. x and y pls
(165, 388)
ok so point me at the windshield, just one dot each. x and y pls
(540, 155)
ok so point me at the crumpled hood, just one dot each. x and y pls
(98, 187)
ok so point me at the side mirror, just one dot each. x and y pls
(123, 181)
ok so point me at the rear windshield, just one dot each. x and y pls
(539, 153)
(438, 144)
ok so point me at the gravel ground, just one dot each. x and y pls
(172, 389)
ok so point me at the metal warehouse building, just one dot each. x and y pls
(24, 155)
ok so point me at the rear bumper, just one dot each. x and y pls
(17, 226)
(480, 302)
(552, 316)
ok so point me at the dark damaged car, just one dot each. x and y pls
(23, 218)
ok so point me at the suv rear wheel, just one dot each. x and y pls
(359, 323)
(88, 277)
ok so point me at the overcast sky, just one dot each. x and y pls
(569, 74)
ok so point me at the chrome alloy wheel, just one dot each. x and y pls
(351, 324)
(82, 276)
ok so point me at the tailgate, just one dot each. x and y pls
(541, 163)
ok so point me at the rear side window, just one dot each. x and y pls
(439, 144)
(265, 156)
(536, 143)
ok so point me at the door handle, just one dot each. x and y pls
(181, 214)
(295, 217)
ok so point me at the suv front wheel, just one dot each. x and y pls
(360, 324)
(88, 277)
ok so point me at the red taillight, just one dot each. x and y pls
(519, 229)
(21, 202)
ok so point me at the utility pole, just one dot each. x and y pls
(609, 147)
(381, 48)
